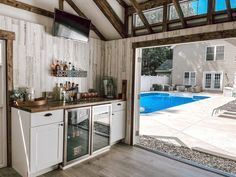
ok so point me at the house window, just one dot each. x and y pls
(189, 8)
(215, 53)
(190, 78)
(153, 16)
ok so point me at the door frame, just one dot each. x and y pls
(3, 120)
(9, 37)
(196, 37)
(212, 73)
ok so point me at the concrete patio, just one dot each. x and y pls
(193, 126)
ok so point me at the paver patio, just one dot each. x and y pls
(193, 126)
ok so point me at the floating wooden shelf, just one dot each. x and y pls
(74, 73)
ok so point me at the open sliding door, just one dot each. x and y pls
(3, 139)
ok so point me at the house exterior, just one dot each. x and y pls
(209, 64)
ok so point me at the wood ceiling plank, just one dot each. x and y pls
(27, 7)
(141, 15)
(180, 13)
(109, 13)
(80, 13)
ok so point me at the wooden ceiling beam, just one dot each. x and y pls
(148, 5)
(180, 13)
(107, 10)
(229, 11)
(122, 3)
(187, 38)
(61, 4)
(27, 7)
(210, 11)
(165, 17)
(80, 13)
(126, 18)
(141, 15)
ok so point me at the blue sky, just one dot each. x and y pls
(201, 6)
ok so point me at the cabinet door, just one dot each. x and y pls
(101, 127)
(46, 146)
(118, 126)
(3, 144)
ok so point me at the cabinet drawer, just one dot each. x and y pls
(118, 106)
(44, 118)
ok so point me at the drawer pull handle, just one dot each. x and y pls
(48, 115)
(119, 104)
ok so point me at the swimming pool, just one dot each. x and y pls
(151, 102)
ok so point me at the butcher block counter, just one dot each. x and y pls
(56, 105)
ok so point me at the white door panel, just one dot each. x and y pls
(46, 146)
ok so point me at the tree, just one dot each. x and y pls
(154, 58)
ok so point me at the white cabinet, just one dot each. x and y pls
(46, 146)
(37, 141)
(118, 121)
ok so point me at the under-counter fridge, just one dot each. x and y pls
(77, 134)
(101, 128)
(87, 132)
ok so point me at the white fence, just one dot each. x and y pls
(148, 81)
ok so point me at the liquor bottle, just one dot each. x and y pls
(61, 65)
(70, 66)
(69, 86)
(57, 66)
(66, 86)
(73, 86)
(65, 67)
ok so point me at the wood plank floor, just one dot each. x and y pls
(125, 161)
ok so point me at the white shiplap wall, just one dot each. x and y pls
(34, 50)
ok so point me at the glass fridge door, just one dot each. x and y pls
(101, 127)
(77, 139)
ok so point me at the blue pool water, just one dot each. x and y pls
(152, 102)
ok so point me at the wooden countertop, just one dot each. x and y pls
(55, 105)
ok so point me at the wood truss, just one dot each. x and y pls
(134, 7)
(110, 14)
(141, 15)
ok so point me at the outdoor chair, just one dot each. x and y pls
(230, 106)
